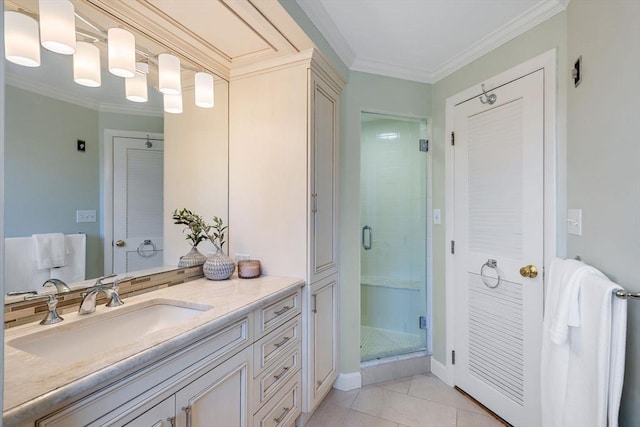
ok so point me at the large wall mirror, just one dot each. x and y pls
(62, 142)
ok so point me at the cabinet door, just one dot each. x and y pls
(323, 140)
(323, 340)
(219, 397)
(161, 415)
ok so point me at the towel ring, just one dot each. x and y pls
(491, 263)
(141, 250)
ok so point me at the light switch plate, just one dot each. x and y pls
(574, 222)
(86, 216)
(436, 217)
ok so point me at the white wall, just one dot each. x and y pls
(196, 174)
(603, 152)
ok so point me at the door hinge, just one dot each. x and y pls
(424, 145)
(422, 322)
(453, 247)
(453, 138)
(453, 357)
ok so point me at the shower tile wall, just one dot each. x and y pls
(393, 203)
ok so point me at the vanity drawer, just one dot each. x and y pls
(283, 409)
(270, 317)
(276, 344)
(275, 375)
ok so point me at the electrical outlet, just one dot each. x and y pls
(242, 257)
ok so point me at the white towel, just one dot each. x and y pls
(584, 333)
(596, 361)
(74, 271)
(50, 250)
(562, 311)
(20, 271)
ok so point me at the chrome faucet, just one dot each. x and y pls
(88, 304)
(59, 284)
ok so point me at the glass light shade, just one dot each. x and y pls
(86, 65)
(58, 26)
(173, 103)
(136, 88)
(169, 81)
(204, 90)
(21, 41)
(122, 52)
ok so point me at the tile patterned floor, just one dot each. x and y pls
(421, 400)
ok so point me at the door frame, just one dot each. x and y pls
(107, 187)
(547, 62)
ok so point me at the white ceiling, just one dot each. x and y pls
(422, 40)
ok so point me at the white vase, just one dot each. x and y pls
(218, 266)
(192, 259)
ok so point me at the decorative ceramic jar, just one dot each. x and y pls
(248, 269)
(218, 266)
(192, 259)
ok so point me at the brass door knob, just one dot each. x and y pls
(530, 271)
(120, 243)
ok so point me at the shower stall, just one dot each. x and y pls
(393, 252)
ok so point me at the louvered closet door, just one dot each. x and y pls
(499, 216)
(137, 204)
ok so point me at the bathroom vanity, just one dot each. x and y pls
(201, 353)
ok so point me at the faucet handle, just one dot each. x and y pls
(27, 292)
(116, 283)
(100, 279)
(52, 316)
(115, 287)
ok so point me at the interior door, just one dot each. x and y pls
(498, 223)
(137, 203)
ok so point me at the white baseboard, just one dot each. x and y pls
(349, 381)
(441, 371)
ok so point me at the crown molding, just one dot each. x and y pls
(517, 26)
(60, 95)
(321, 19)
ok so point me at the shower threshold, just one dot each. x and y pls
(378, 343)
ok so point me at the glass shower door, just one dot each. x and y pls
(394, 236)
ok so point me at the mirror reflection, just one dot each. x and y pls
(58, 139)
(85, 166)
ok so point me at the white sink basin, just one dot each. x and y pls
(99, 333)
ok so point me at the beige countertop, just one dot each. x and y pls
(33, 385)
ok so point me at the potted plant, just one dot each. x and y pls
(218, 266)
(195, 226)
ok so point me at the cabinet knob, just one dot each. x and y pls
(187, 411)
(172, 421)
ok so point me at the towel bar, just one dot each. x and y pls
(620, 294)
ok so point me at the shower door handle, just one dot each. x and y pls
(366, 230)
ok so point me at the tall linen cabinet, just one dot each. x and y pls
(283, 185)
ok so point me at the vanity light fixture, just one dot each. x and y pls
(86, 65)
(21, 40)
(169, 78)
(122, 52)
(204, 90)
(58, 26)
(173, 103)
(136, 87)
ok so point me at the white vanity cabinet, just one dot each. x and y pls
(247, 373)
(283, 174)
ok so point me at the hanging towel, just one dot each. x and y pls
(20, 271)
(50, 250)
(583, 344)
(596, 358)
(74, 271)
